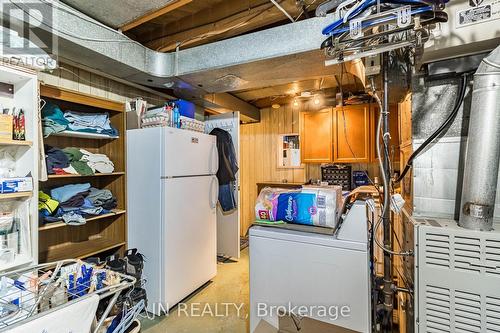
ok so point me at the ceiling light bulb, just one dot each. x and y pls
(316, 100)
(276, 106)
(295, 103)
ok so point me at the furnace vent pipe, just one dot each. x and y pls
(483, 148)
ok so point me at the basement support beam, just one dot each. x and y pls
(152, 15)
(224, 102)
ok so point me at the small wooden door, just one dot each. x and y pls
(316, 134)
(352, 134)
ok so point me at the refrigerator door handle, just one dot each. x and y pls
(214, 159)
(214, 192)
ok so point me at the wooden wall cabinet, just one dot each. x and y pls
(326, 140)
(316, 133)
(352, 134)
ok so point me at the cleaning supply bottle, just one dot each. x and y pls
(177, 117)
(21, 124)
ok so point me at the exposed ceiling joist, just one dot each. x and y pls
(239, 22)
(157, 13)
(283, 10)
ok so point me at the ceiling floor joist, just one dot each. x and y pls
(157, 13)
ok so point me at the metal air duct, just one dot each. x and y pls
(483, 149)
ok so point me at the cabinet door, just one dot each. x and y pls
(352, 134)
(316, 134)
(393, 129)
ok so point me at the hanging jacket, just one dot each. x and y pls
(228, 164)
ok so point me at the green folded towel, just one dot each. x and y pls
(265, 222)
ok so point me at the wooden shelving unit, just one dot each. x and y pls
(50, 226)
(82, 135)
(81, 250)
(115, 174)
(103, 234)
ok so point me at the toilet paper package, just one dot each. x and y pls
(311, 205)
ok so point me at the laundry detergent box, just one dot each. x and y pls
(16, 184)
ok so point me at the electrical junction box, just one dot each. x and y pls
(372, 65)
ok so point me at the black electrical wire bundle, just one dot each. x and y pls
(447, 122)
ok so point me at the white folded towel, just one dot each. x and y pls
(97, 162)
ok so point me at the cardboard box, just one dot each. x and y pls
(16, 184)
(6, 127)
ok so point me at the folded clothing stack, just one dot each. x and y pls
(76, 161)
(73, 203)
(90, 123)
(54, 120)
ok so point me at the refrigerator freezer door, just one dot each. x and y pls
(188, 153)
(190, 235)
(144, 207)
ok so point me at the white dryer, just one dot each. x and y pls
(290, 269)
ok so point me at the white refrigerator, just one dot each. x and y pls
(172, 219)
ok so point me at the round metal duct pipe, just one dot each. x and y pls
(483, 148)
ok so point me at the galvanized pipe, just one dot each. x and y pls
(483, 148)
(386, 214)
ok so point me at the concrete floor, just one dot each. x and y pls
(224, 302)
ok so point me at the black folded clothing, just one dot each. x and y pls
(55, 158)
(75, 201)
(110, 204)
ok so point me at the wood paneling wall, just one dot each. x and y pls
(259, 161)
(73, 78)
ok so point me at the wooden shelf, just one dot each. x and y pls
(103, 232)
(85, 135)
(56, 225)
(4, 142)
(113, 174)
(79, 250)
(15, 196)
(80, 98)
